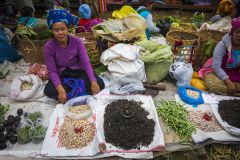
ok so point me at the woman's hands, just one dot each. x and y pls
(95, 87)
(62, 95)
(231, 87)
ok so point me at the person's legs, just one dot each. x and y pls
(214, 84)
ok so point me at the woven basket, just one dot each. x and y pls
(32, 50)
(91, 46)
(188, 51)
(206, 35)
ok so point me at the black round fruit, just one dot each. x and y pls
(2, 129)
(2, 139)
(10, 119)
(3, 146)
(9, 128)
(13, 139)
(16, 123)
(17, 118)
(20, 112)
(5, 123)
(8, 136)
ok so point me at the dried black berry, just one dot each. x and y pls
(3, 146)
(20, 112)
(13, 139)
(17, 118)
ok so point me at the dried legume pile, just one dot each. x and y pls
(176, 118)
(26, 86)
(76, 134)
(78, 109)
(229, 111)
(126, 125)
(193, 94)
(196, 117)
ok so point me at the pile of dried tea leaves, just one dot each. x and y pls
(126, 125)
(229, 110)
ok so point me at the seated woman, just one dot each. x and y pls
(86, 22)
(67, 61)
(225, 63)
(145, 12)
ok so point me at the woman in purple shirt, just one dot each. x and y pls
(68, 64)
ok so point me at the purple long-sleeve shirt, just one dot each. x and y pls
(73, 56)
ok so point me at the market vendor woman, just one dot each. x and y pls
(67, 61)
(226, 64)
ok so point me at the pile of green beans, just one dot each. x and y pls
(176, 117)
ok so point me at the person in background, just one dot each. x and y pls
(67, 61)
(7, 52)
(225, 8)
(145, 12)
(86, 21)
(27, 17)
(225, 63)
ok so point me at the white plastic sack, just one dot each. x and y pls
(27, 95)
(182, 72)
(51, 145)
(232, 130)
(123, 61)
(147, 103)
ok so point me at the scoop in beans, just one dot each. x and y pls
(193, 94)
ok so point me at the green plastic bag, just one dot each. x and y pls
(157, 60)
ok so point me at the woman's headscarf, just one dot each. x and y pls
(85, 11)
(235, 24)
(59, 15)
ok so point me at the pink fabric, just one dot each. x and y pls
(233, 73)
(235, 24)
(207, 68)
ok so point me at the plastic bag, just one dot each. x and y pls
(123, 12)
(37, 134)
(182, 72)
(123, 85)
(83, 100)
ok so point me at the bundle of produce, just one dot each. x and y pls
(176, 118)
(8, 127)
(33, 130)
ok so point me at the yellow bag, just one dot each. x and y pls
(123, 12)
(197, 82)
